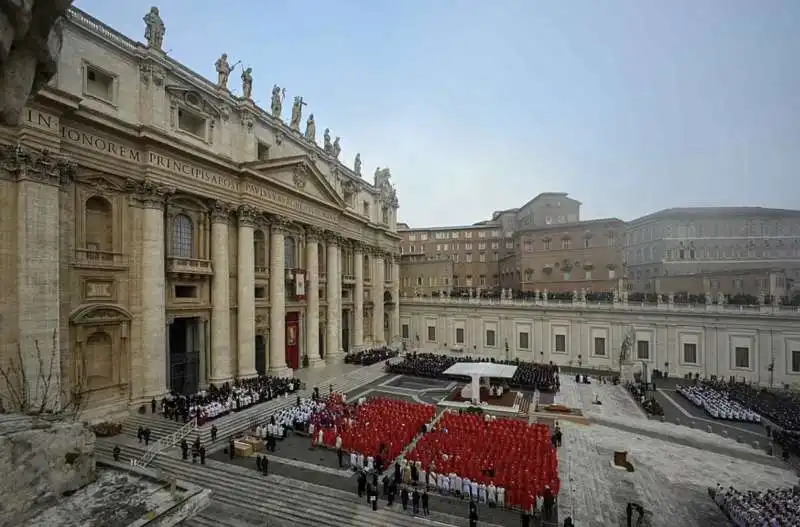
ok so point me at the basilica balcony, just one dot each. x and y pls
(94, 259)
(367, 280)
(189, 267)
(261, 271)
(388, 282)
(348, 278)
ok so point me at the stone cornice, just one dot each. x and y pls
(21, 163)
(150, 194)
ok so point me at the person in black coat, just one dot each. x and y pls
(425, 509)
(404, 498)
(473, 514)
(415, 501)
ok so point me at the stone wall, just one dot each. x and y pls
(41, 461)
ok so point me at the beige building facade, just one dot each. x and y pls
(166, 234)
(760, 345)
(423, 276)
(733, 250)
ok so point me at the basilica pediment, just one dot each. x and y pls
(300, 174)
(100, 181)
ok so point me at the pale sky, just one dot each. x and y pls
(630, 106)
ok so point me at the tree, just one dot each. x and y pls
(34, 386)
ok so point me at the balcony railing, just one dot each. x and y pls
(388, 283)
(348, 278)
(261, 271)
(367, 280)
(189, 266)
(100, 259)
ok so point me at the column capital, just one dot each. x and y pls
(313, 234)
(221, 211)
(150, 194)
(247, 216)
(22, 163)
(358, 246)
(280, 225)
(333, 238)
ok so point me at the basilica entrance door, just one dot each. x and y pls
(184, 355)
(293, 340)
(261, 354)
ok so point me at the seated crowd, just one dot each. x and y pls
(216, 402)
(529, 375)
(373, 428)
(372, 356)
(717, 404)
(297, 417)
(502, 461)
(771, 508)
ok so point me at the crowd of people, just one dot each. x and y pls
(216, 402)
(372, 428)
(371, 356)
(485, 455)
(717, 404)
(770, 508)
(529, 375)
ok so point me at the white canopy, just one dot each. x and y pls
(481, 369)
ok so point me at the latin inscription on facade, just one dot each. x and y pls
(41, 120)
(99, 289)
(176, 166)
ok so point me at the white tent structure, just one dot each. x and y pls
(476, 371)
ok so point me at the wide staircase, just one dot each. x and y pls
(238, 422)
(242, 496)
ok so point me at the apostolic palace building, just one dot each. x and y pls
(169, 234)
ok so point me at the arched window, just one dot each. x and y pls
(182, 236)
(289, 253)
(260, 248)
(99, 225)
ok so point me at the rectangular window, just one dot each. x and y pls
(482, 234)
(412, 237)
(468, 235)
(482, 257)
(185, 291)
(690, 353)
(263, 155)
(99, 84)
(561, 343)
(191, 123)
(643, 350)
(600, 346)
(490, 338)
(404, 331)
(795, 361)
(547, 245)
(742, 357)
(431, 333)
(468, 258)
(523, 341)
(260, 292)
(467, 246)
(459, 335)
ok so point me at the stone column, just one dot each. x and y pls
(245, 283)
(221, 370)
(312, 298)
(153, 315)
(332, 342)
(38, 259)
(377, 299)
(395, 322)
(277, 300)
(202, 335)
(358, 299)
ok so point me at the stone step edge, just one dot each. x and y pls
(252, 482)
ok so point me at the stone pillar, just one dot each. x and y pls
(378, 335)
(277, 300)
(153, 315)
(312, 298)
(38, 258)
(221, 370)
(332, 341)
(245, 283)
(395, 322)
(358, 299)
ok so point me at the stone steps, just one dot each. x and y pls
(158, 425)
(218, 515)
(283, 501)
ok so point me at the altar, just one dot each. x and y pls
(480, 373)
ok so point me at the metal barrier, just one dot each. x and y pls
(164, 443)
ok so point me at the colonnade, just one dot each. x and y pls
(226, 364)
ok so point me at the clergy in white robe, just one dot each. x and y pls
(370, 462)
(466, 487)
(319, 438)
(453, 485)
(501, 496)
(353, 460)
(458, 484)
(360, 461)
(423, 476)
(473, 489)
(432, 479)
(482, 492)
(491, 494)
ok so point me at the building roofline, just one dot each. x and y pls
(709, 212)
(615, 222)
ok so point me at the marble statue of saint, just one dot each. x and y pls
(154, 29)
(247, 83)
(357, 164)
(297, 113)
(326, 141)
(223, 71)
(337, 149)
(277, 101)
(311, 129)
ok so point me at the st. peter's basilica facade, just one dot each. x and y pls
(167, 234)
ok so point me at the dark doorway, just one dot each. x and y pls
(346, 331)
(321, 341)
(184, 356)
(261, 355)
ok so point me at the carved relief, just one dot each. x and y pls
(247, 216)
(151, 73)
(221, 211)
(314, 235)
(18, 162)
(149, 193)
(300, 176)
(280, 225)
